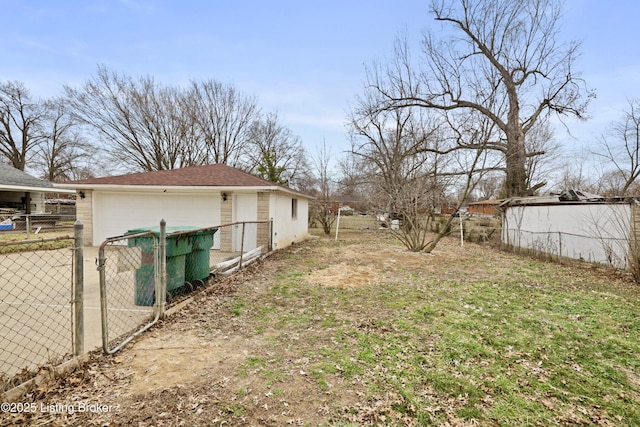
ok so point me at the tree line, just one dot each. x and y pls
(120, 123)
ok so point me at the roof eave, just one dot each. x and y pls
(32, 189)
(177, 188)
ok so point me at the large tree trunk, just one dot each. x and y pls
(516, 179)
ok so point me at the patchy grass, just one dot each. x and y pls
(465, 336)
(531, 346)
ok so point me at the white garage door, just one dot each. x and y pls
(116, 213)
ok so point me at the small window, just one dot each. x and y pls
(294, 208)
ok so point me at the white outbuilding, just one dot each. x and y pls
(200, 196)
(575, 225)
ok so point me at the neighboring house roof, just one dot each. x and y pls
(13, 179)
(487, 202)
(217, 175)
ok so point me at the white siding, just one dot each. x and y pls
(593, 232)
(288, 229)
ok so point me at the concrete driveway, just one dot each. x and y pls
(36, 317)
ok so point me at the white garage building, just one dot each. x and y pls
(201, 196)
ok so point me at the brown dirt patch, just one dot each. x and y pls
(156, 364)
(344, 275)
(366, 264)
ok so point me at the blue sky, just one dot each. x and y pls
(304, 59)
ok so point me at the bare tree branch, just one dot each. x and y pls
(503, 60)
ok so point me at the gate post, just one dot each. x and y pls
(241, 247)
(161, 269)
(78, 288)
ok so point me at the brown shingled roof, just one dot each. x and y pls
(217, 175)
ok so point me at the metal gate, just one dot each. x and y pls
(141, 272)
(131, 280)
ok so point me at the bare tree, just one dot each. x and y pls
(503, 60)
(143, 124)
(393, 147)
(620, 150)
(414, 157)
(322, 207)
(275, 153)
(21, 130)
(489, 187)
(459, 166)
(224, 118)
(64, 152)
(543, 156)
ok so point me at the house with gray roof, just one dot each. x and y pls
(21, 192)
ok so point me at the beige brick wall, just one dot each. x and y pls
(37, 203)
(84, 215)
(226, 215)
(263, 215)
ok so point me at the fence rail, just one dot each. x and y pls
(612, 251)
(29, 226)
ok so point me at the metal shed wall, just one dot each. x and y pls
(595, 232)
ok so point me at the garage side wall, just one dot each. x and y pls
(290, 219)
(599, 233)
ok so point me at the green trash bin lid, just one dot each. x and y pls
(177, 244)
(156, 229)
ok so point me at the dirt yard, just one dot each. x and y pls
(252, 349)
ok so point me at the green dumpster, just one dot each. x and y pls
(197, 261)
(178, 246)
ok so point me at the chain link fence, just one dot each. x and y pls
(556, 245)
(15, 226)
(140, 274)
(36, 306)
(129, 270)
(149, 269)
(359, 222)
